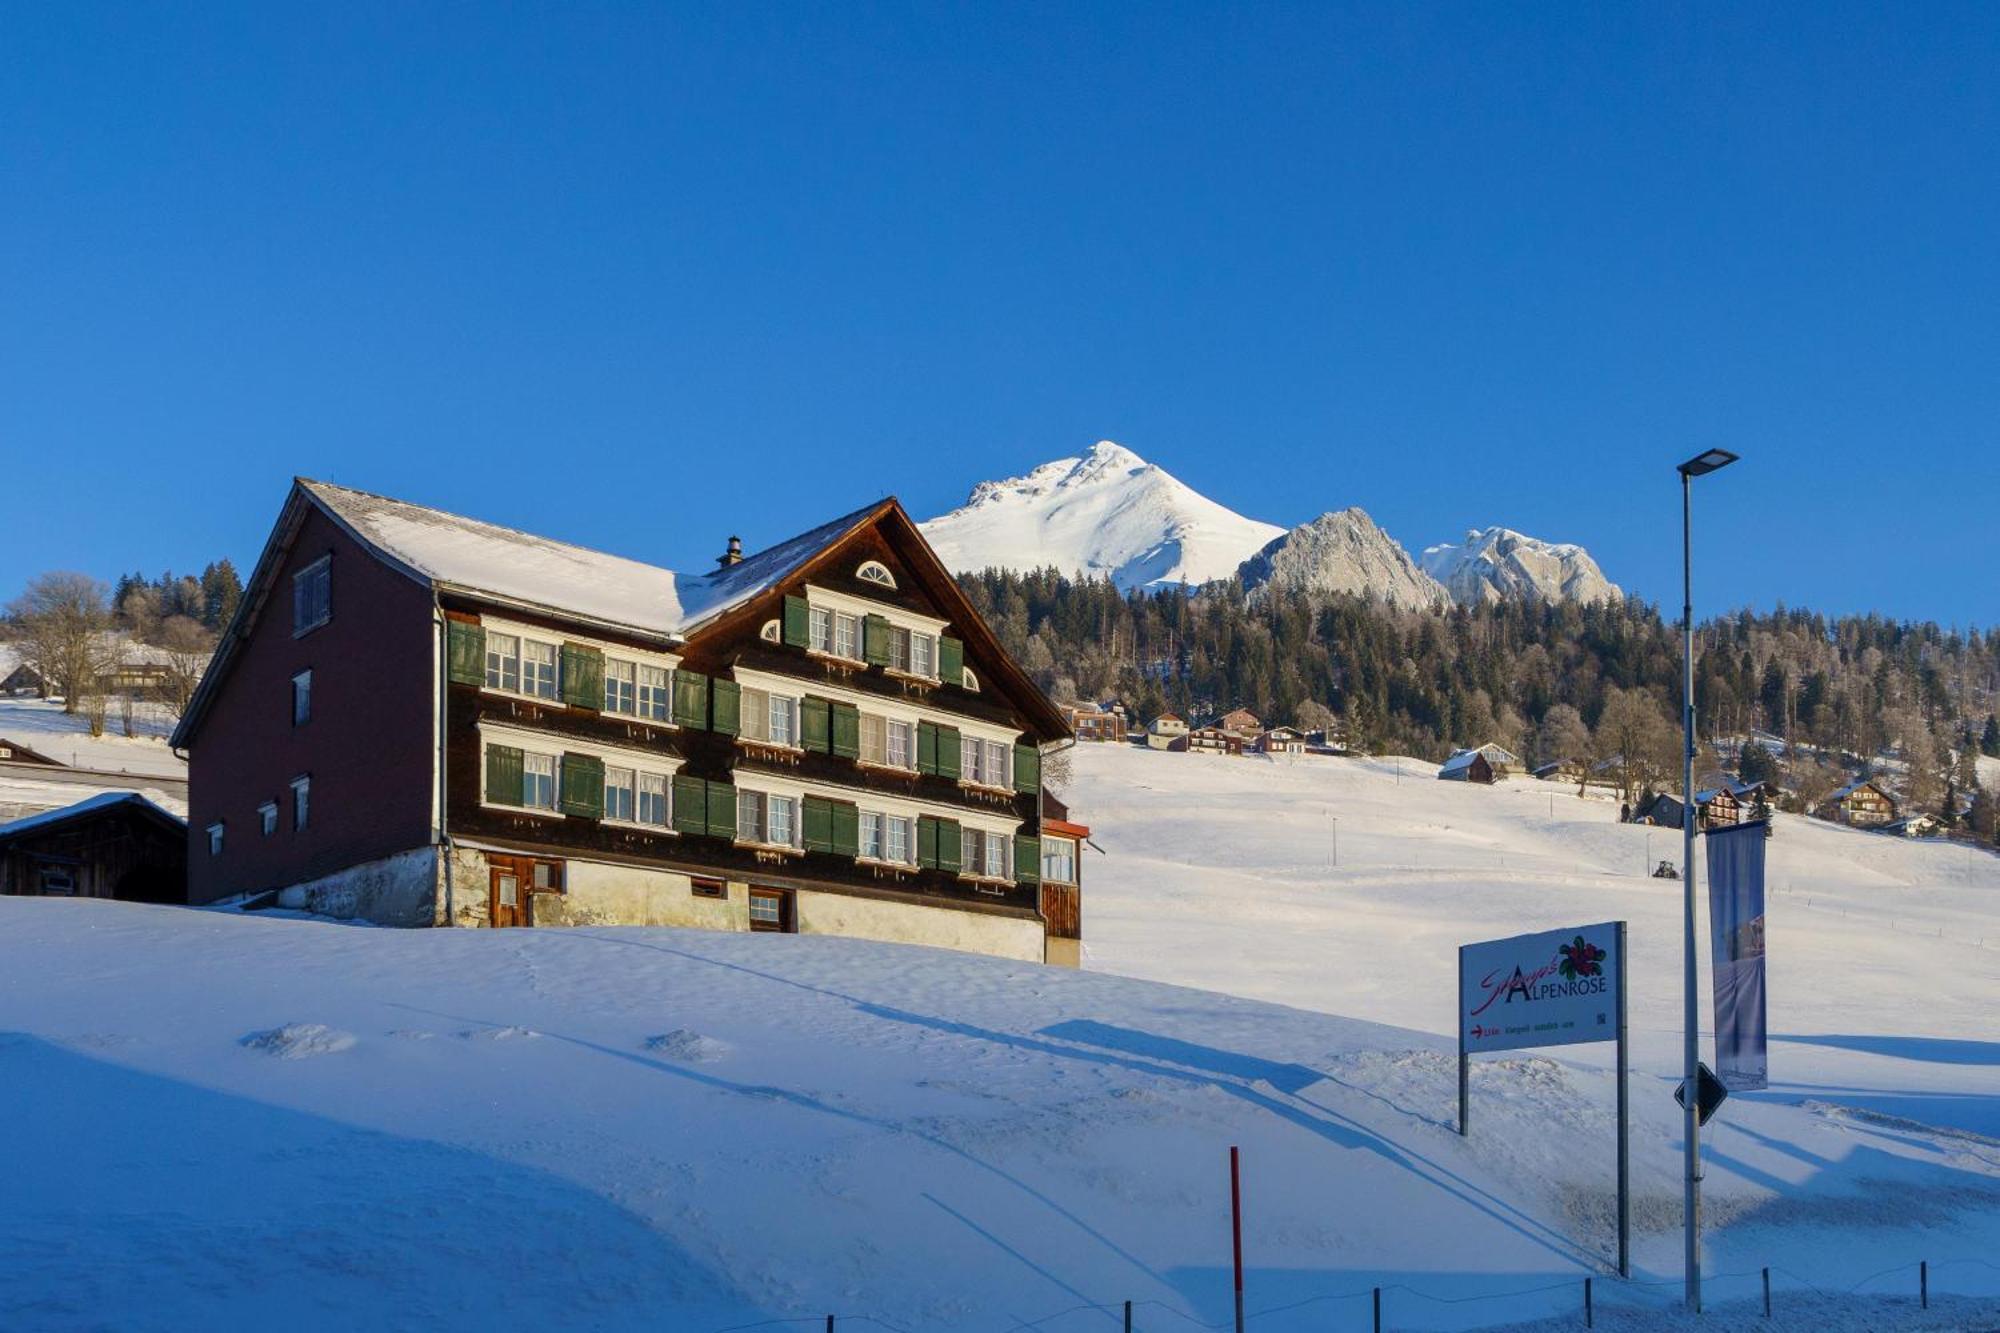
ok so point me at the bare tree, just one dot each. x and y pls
(63, 619)
(1057, 769)
(188, 647)
(1563, 737)
(1634, 737)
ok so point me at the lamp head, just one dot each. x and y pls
(1704, 463)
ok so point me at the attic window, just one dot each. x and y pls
(971, 681)
(772, 632)
(874, 571)
(312, 600)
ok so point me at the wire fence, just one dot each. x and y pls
(1917, 1281)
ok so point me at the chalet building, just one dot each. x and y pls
(1164, 730)
(1241, 721)
(1860, 803)
(115, 845)
(1207, 740)
(1503, 761)
(1467, 766)
(1281, 740)
(422, 719)
(1093, 722)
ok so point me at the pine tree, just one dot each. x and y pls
(1989, 740)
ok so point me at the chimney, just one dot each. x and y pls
(733, 556)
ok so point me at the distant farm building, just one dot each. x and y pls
(1094, 722)
(1241, 721)
(1164, 730)
(1281, 740)
(1467, 766)
(1208, 740)
(1860, 803)
(117, 845)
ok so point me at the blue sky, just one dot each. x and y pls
(565, 266)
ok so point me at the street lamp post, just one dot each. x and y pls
(1698, 466)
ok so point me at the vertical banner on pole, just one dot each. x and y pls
(1464, 1060)
(1736, 933)
(1236, 1231)
(1624, 1124)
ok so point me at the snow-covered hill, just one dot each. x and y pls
(1343, 553)
(319, 1125)
(1499, 564)
(1109, 514)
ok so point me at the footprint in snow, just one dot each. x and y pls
(299, 1041)
(499, 1034)
(688, 1046)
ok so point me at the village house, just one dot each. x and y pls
(1063, 841)
(1207, 740)
(1503, 761)
(1241, 721)
(1094, 722)
(1164, 730)
(422, 719)
(1860, 803)
(114, 845)
(1281, 740)
(1467, 766)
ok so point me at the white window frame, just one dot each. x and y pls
(267, 818)
(900, 744)
(764, 713)
(847, 636)
(534, 743)
(1053, 845)
(554, 775)
(215, 832)
(621, 686)
(665, 797)
(301, 803)
(819, 629)
(656, 700)
(302, 685)
(874, 571)
(321, 568)
(629, 786)
(766, 803)
(895, 828)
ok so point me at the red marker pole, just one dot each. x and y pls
(1236, 1231)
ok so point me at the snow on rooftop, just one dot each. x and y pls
(102, 800)
(518, 566)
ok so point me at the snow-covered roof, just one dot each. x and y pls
(1459, 761)
(470, 555)
(1843, 793)
(87, 806)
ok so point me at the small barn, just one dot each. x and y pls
(115, 845)
(1467, 766)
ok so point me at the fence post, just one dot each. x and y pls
(829, 1324)
(1589, 1314)
(1924, 1282)
(1767, 1293)
(1378, 1310)
(1128, 1317)
(1236, 1231)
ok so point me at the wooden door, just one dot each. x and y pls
(507, 902)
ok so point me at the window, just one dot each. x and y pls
(538, 781)
(899, 648)
(766, 819)
(999, 763)
(58, 882)
(846, 635)
(653, 799)
(985, 853)
(767, 910)
(215, 839)
(654, 693)
(874, 571)
(820, 630)
(769, 717)
(621, 686)
(902, 745)
(708, 888)
(621, 792)
(538, 668)
(923, 654)
(896, 844)
(312, 595)
(503, 661)
(984, 762)
(871, 836)
(874, 739)
(301, 803)
(302, 698)
(267, 818)
(1059, 860)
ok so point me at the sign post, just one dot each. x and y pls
(1554, 988)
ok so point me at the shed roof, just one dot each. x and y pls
(87, 808)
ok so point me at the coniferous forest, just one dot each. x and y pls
(1547, 680)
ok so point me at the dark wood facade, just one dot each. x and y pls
(122, 847)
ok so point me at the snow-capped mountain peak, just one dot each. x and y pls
(1106, 514)
(1343, 552)
(1495, 564)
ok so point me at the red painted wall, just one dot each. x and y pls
(368, 747)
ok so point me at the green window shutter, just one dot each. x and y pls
(847, 731)
(1027, 768)
(816, 724)
(846, 829)
(583, 784)
(927, 841)
(727, 698)
(798, 627)
(1027, 859)
(875, 640)
(503, 774)
(818, 819)
(949, 752)
(948, 839)
(721, 810)
(690, 804)
(582, 676)
(951, 661)
(690, 698)
(927, 747)
(465, 653)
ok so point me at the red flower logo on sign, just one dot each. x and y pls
(1581, 959)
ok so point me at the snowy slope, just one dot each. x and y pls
(688, 1130)
(1499, 564)
(1109, 514)
(42, 726)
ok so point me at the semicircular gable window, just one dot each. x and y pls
(971, 681)
(771, 632)
(874, 571)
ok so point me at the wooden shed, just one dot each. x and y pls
(115, 845)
